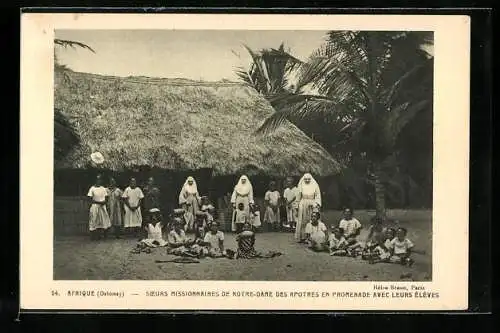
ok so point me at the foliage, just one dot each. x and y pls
(370, 86)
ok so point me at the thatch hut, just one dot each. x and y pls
(175, 127)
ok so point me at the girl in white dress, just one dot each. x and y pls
(309, 198)
(132, 197)
(242, 193)
(99, 220)
(154, 229)
(272, 215)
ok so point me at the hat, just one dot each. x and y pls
(97, 157)
(154, 210)
(178, 211)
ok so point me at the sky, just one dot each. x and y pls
(192, 54)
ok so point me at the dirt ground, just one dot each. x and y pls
(78, 258)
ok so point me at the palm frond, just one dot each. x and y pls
(72, 43)
(295, 108)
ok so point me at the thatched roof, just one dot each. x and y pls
(179, 124)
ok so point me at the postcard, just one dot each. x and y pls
(244, 162)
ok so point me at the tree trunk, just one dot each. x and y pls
(379, 192)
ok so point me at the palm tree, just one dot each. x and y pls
(269, 70)
(369, 85)
(65, 136)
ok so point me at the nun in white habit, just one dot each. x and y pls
(242, 193)
(189, 194)
(309, 198)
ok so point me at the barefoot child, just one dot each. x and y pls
(316, 233)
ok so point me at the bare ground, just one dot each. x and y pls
(78, 258)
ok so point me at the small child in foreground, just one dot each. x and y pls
(246, 241)
(214, 241)
(400, 248)
(337, 243)
(381, 252)
(154, 231)
(316, 233)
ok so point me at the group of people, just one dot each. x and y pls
(382, 244)
(113, 208)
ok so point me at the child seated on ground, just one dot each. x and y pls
(246, 241)
(154, 229)
(214, 240)
(255, 217)
(336, 242)
(240, 217)
(181, 245)
(375, 238)
(316, 233)
(200, 224)
(381, 252)
(400, 248)
(351, 228)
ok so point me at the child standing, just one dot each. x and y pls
(255, 210)
(400, 248)
(292, 205)
(240, 217)
(316, 233)
(188, 218)
(272, 215)
(132, 197)
(99, 221)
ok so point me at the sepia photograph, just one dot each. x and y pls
(243, 155)
(244, 162)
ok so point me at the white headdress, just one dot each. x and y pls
(243, 189)
(192, 189)
(310, 188)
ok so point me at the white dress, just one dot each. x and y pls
(154, 235)
(98, 214)
(133, 196)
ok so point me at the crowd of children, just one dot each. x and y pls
(383, 244)
(195, 217)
